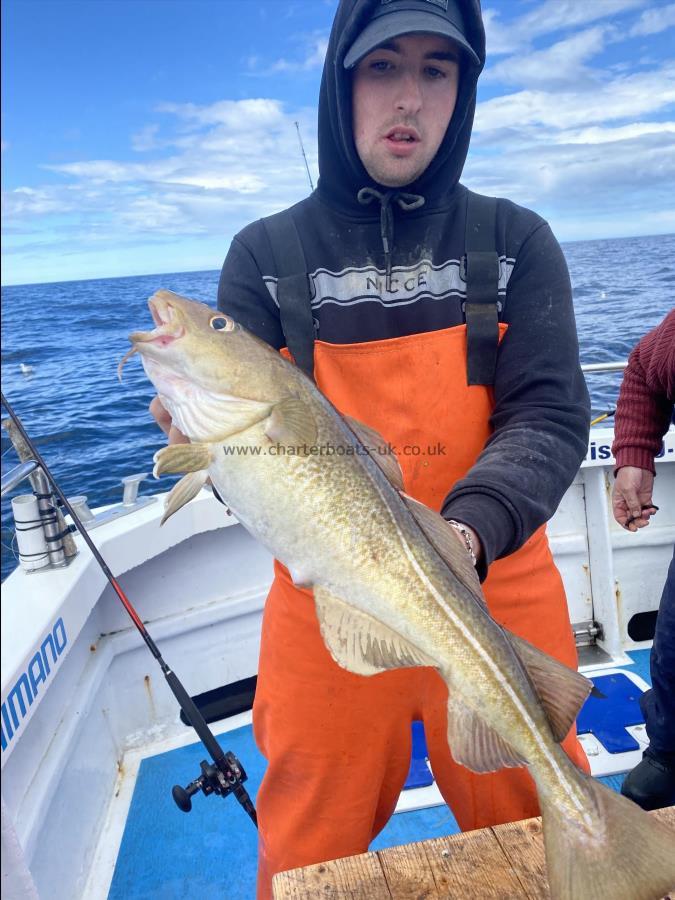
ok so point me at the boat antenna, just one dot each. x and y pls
(304, 156)
(227, 775)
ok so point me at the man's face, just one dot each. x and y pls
(403, 97)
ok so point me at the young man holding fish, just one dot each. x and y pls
(383, 238)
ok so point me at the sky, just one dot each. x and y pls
(138, 136)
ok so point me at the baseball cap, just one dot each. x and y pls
(392, 18)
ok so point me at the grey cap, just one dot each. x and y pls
(393, 18)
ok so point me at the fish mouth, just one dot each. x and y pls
(168, 329)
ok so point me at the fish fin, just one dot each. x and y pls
(181, 458)
(562, 691)
(444, 540)
(475, 744)
(182, 492)
(630, 855)
(380, 451)
(291, 423)
(358, 642)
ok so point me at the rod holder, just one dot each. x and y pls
(30, 535)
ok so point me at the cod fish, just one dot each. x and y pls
(393, 586)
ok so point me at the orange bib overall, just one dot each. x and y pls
(338, 744)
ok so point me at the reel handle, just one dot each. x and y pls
(182, 795)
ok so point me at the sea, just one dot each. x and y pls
(61, 344)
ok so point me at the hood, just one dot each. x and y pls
(341, 172)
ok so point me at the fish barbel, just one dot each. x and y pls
(393, 586)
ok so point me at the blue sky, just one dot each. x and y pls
(140, 135)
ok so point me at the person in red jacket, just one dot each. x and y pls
(643, 414)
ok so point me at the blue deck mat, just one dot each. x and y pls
(606, 717)
(210, 853)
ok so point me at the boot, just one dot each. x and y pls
(651, 784)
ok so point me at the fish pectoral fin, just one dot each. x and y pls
(292, 424)
(182, 492)
(562, 690)
(380, 451)
(444, 540)
(358, 642)
(474, 744)
(178, 458)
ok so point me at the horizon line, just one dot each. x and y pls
(625, 237)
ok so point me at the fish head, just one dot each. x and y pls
(211, 375)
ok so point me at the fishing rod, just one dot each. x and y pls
(605, 415)
(304, 155)
(227, 774)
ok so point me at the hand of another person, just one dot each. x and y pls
(632, 497)
(163, 419)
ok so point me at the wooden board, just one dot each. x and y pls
(356, 877)
(505, 862)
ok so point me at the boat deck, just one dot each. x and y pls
(505, 862)
(211, 852)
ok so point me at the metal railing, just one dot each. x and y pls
(17, 474)
(604, 367)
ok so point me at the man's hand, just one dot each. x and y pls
(163, 419)
(632, 497)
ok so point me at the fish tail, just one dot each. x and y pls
(626, 854)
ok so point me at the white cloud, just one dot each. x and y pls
(626, 96)
(312, 58)
(230, 162)
(25, 202)
(548, 17)
(145, 139)
(562, 62)
(597, 134)
(610, 181)
(555, 15)
(653, 21)
(235, 115)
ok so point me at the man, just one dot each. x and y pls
(643, 413)
(383, 239)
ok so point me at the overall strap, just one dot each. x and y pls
(293, 292)
(482, 285)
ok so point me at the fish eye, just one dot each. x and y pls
(222, 323)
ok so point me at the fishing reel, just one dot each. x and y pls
(226, 779)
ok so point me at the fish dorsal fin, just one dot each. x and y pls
(444, 540)
(292, 424)
(379, 450)
(358, 642)
(181, 458)
(562, 690)
(182, 492)
(474, 744)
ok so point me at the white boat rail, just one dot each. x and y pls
(604, 367)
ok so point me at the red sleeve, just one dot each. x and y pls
(645, 406)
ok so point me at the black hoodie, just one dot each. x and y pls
(376, 276)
